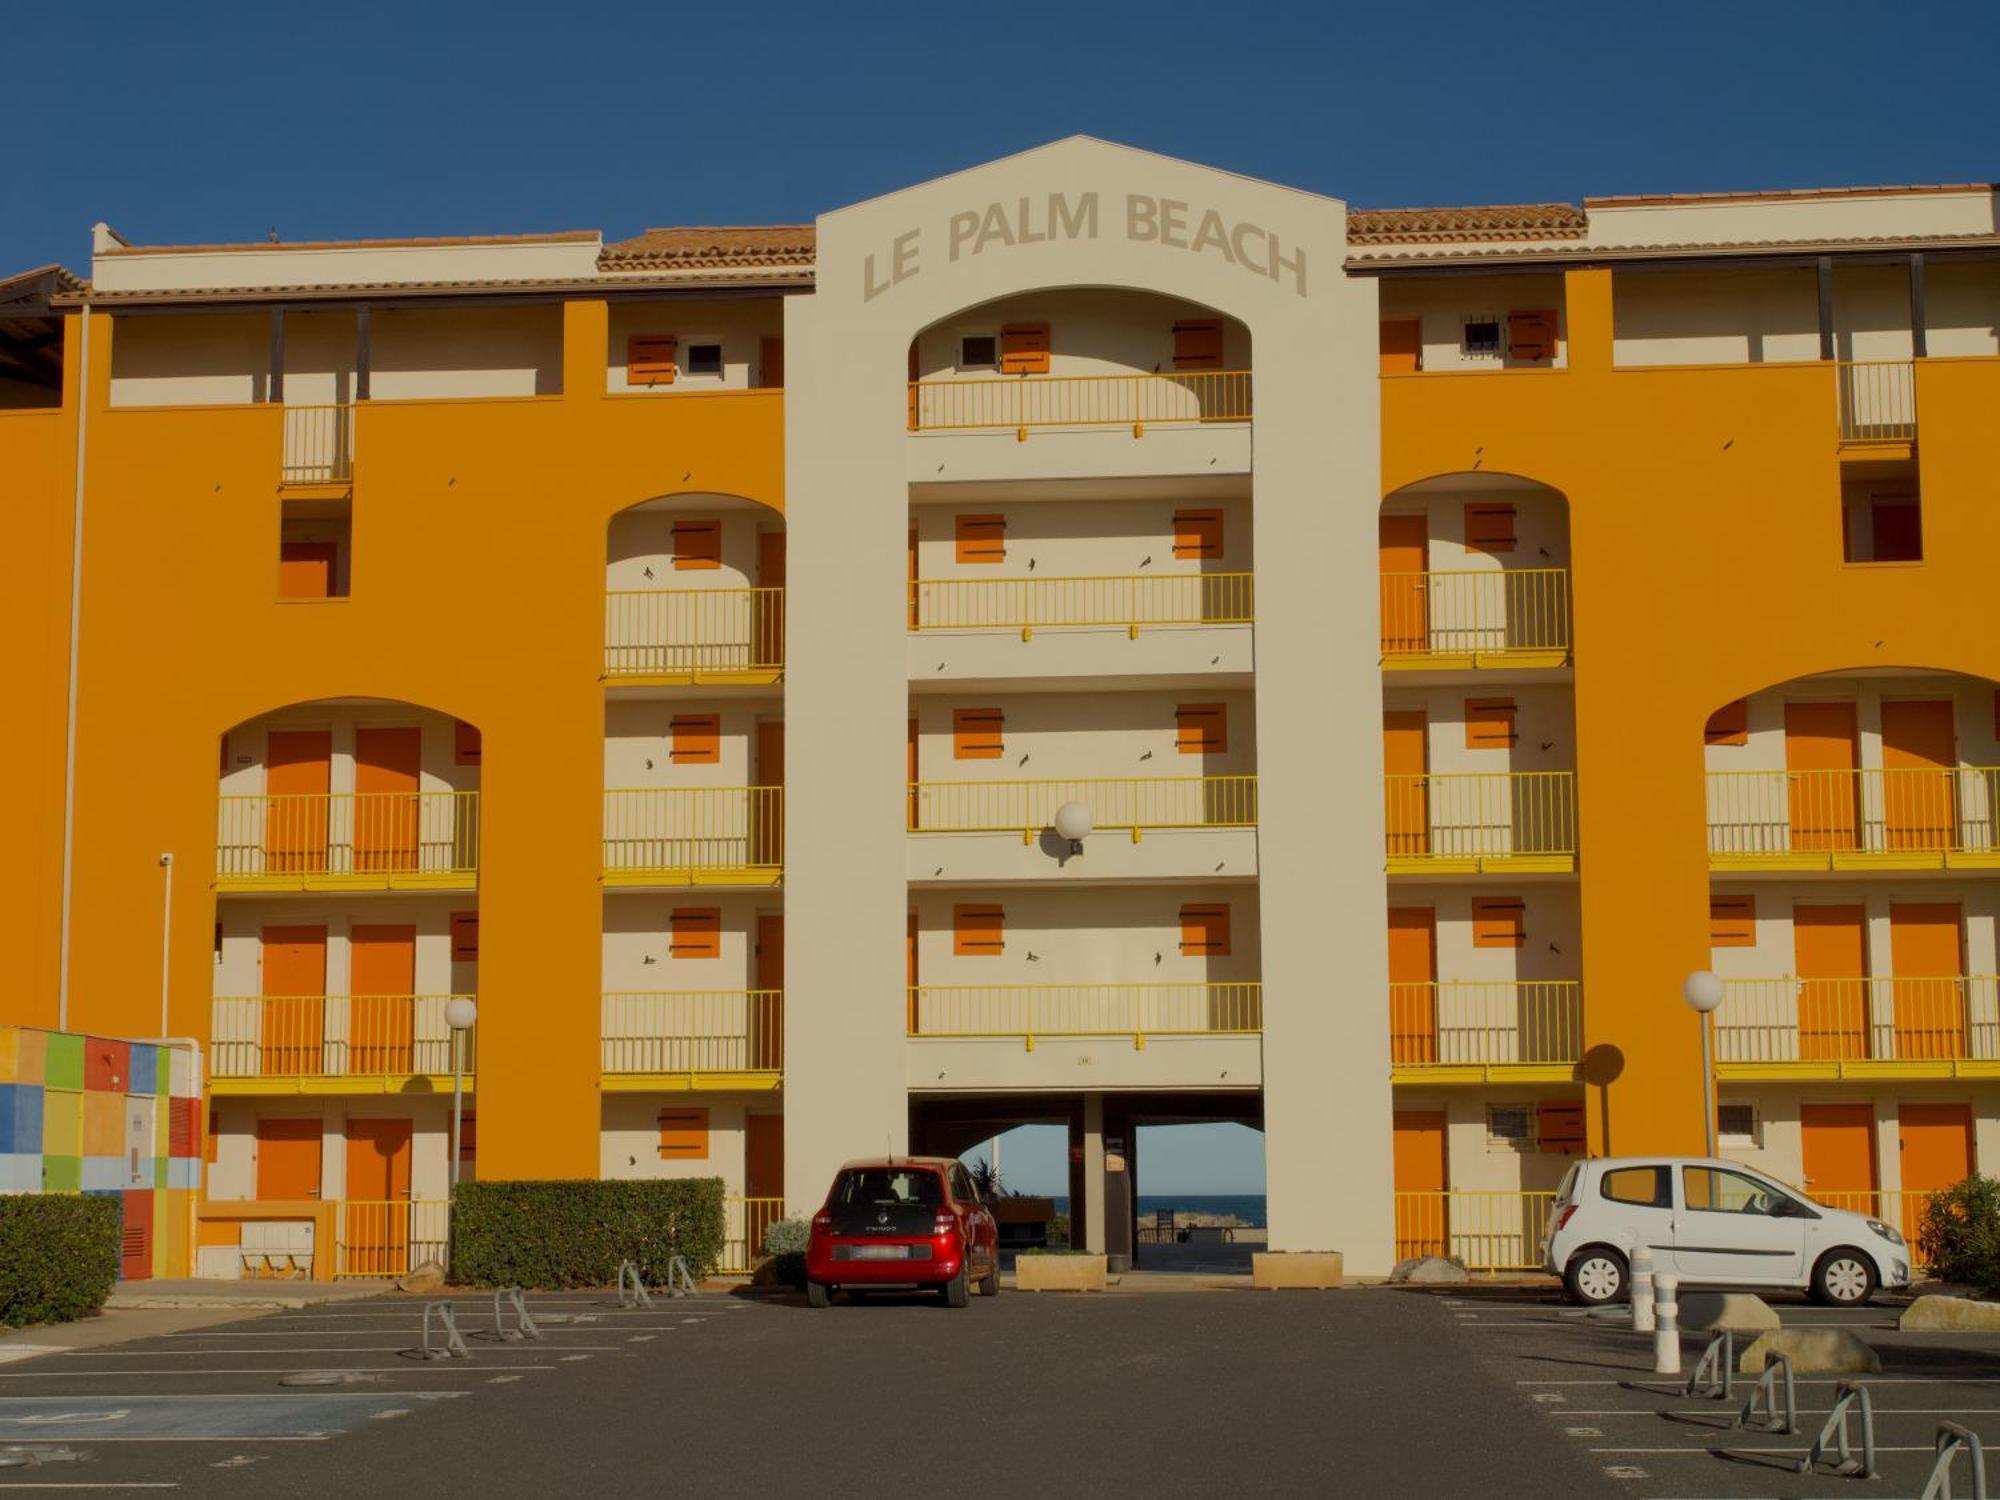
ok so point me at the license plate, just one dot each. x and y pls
(881, 1252)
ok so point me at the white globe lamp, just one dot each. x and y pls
(1073, 822)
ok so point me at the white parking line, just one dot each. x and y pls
(1639, 1377)
(484, 1350)
(413, 1367)
(1723, 1409)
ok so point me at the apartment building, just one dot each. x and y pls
(1090, 640)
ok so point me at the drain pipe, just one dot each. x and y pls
(75, 651)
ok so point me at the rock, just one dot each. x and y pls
(427, 1277)
(1430, 1270)
(1951, 1312)
(1711, 1312)
(1812, 1351)
(1315, 1270)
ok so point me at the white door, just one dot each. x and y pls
(140, 1113)
(1729, 1227)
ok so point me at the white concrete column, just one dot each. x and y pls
(1092, 1212)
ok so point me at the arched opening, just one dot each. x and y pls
(695, 592)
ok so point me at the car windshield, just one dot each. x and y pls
(879, 1186)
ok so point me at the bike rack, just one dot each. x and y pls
(628, 1273)
(1771, 1419)
(1951, 1438)
(1846, 1395)
(524, 1326)
(453, 1346)
(680, 1280)
(1712, 1372)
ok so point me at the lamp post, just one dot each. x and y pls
(459, 1014)
(1703, 993)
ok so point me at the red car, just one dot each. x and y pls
(903, 1221)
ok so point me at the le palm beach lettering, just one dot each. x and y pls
(1167, 222)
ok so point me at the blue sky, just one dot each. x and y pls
(215, 121)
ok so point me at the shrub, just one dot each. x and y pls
(785, 1242)
(1958, 1237)
(58, 1256)
(572, 1234)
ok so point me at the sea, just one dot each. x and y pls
(1246, 1208)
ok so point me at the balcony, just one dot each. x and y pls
(1138, 1012)
(1481, 1031)
(318, 448)
(693, 1039)
(1024, 402)
(1859, 1028)
(694, 836)
(694, 637)
(348, 841)
(1487, 1231)
(1481, 822)
(1878, 406)
(1902, 819)
(333, 1044)
(1491, 618)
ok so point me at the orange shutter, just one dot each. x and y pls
(1205, 930)
(976, 931)
(697, 545)
(465, 743)
(1732, 921)
(465, 937)
(982, 539)
(1499, 922)
(1559, 1125)
(1198, 344)
(695, 932)
(1531, 334)
(770, 363)
(1489, 724)
(1024, 349)
(650, 359)
(1728, 725)
(976, 733)
(695, 739)
(1201, 728)
(1402, 346)
(1197, 533)
(684, 1134)
(1489, 526)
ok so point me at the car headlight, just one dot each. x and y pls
(1894, 1237)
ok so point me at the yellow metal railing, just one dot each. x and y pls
(1488, 1231)
(744, 1224)
(318, 445)
(1481, 815)
(1492, 616)
(1025, 401)
(379, 1239)
(1878, 400)
(1029, 1011)
(332, 1036)
(693, 632)
(1791, 1020)
(687, 833)
(288, 839)
(1813, 817)
(1488, 1022)
(693, 1031)
(1031, 604)
(1133, 803)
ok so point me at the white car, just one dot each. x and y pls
(1712, 1223)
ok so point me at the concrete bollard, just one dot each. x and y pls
(1642, 1289)
(1667, 1329)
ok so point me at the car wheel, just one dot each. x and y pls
(989, 1284)
(818, 1294)
(957, 1291)
(1596, 1274)
(1843, 1278)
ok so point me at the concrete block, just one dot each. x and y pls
(103, 1124)
(21, 1172)
(62, 1174)
(31, 1056)
(1314, 1270)
(1059, 1273)
(62, 1122)
(20, 1117)
(1956, 1313)
(104, 1174)
(1711, 1312)
(1812, 1351)
(1430, 1270)
(144, 1077)
(63, 1063)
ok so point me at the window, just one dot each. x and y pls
(1024, 349)
(1499, 922)
(962, 1189)
(976, 733)
(684, 1134)
(1510, 1125)
(650, 359)
(695, 739)
(1713, 1190)
(1732, 921)
(978, 351)
(465, 937)
(980, 539)
(1201, 728)
(1728, 725)
(1198, 344)
(704, 359)
(1559, 1125)
(976, 931)
(1898, 529)
(1736, 1124)
(306, 569)
(694, 932)
(1402, 346)
(1531, 333)
(1205, 930)
(1197, 533)
(697, 545)
(1489, 724)
(1482, 337)
(1882, 515)
(465, 743)
(314, 548)
(1644, 1187)
(1489, 526)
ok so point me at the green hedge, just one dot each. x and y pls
(571, 1234)
(58, 1256)
(1958, 1236)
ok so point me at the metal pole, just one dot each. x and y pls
(457, 1101)
(166, 939)
(1707, 1088)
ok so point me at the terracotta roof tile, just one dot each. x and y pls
(710, 245)
(1781, 195)
(560, 237)
(1499, 221)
